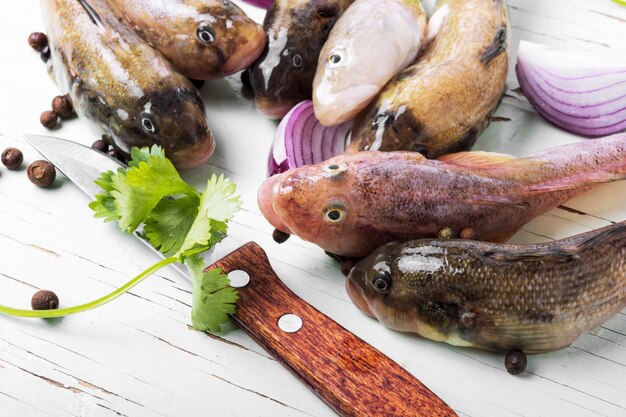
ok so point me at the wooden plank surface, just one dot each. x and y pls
(138, 357)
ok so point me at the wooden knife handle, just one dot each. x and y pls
(353, 377)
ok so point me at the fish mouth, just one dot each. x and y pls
(273, 108)
(246, 54)
(264, 200)
(195, 155)
(332, 108)
(356, 295)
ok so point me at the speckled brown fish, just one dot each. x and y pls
(354, 203)
(296, 31)
(123, 87)
(498, 297)
(203, 39)
(443, 102)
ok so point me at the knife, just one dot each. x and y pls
(351, 376)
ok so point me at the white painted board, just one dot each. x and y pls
(137, 355)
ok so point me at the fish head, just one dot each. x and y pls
(322, 204)
(215, 40)
(346, 80)
(171, 118)
(405, 287)
(283, 75)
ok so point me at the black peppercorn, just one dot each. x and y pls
(280, 237)
(100, 145)
(41, 173)
(12, 158)
(515, 361)
(115, 154)
(38, 41)
(62, 107)
(45, 54)
(48, 119)
(44, 300)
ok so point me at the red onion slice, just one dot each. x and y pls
(577, 93)
(302, 140)
(263, 4)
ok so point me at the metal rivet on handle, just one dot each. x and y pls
(290, 323)
(238, 278)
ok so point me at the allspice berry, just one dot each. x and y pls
(38, 41)
(115, 154)
(62, 107)
(100, 145)
(48, 119)
(12, 158)
(280, 236)
(41, 173)
(515, 361)
(446, 233)
(44, 300)
(469, 234)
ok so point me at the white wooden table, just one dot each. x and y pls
(138, 356)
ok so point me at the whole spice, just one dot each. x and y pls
(515, 361)
(44, 300)
(12, 158)
(446, 233)
(469, 234)
(48, 119)
(280, 237)
(197, 83)
(41, 173)
(62, 107)
(45, 54)
(38, 41)
(100, 145)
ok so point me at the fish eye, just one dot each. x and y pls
(296, 61)
(382, 281)
(335, 59)
(205, 33)
(334, 214)
(147, 123)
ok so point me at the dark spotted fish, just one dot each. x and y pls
(203, 39)
(127, 90)
(442, 103)
(296, 31)
(353, 203)
(497, 297)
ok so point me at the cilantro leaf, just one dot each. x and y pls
(217, 205)
(213, 298)
(169, 222)
(177, 220)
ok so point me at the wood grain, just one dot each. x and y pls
(353, 377)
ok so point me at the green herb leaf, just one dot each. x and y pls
(217, 205)
(169, 222)
(213, 298)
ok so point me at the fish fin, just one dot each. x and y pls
(532, 255)
(481, 160)
(566, 253)
(605, 235)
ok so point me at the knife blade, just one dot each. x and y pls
(351, 376)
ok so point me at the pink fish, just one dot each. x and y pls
(352, 204)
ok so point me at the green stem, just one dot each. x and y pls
(92, 304)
